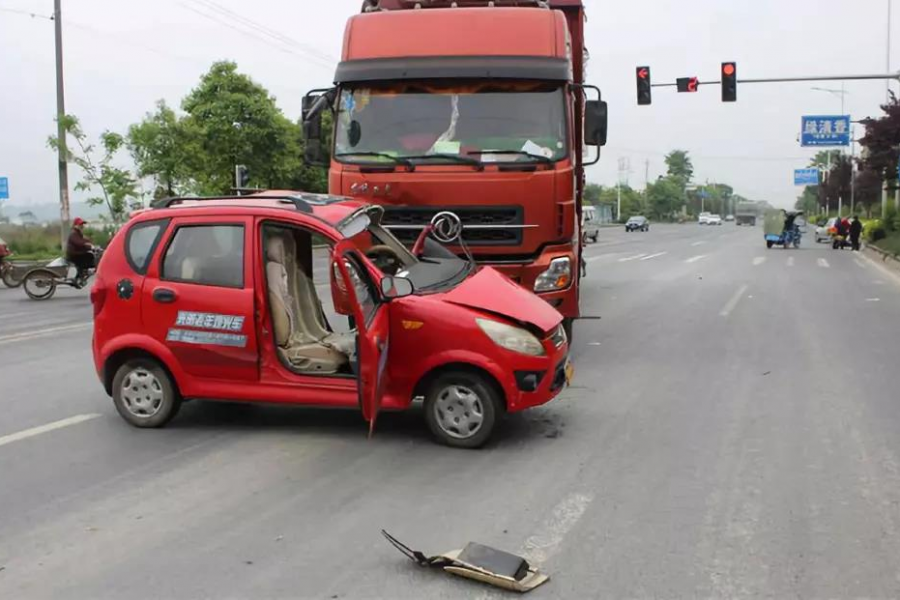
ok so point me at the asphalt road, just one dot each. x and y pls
(733, 430)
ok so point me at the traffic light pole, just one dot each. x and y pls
(895, 76)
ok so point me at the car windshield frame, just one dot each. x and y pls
(445, 130)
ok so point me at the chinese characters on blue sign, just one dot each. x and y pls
(806, 176)
(4, 188)
(825, 131)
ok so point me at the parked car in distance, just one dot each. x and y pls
(703, 219)
(637, 224)
(729, 218)
(590, 224)
(714, 220)
(823, 231)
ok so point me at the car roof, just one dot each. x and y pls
(324, 207)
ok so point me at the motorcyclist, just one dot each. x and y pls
(78, 250)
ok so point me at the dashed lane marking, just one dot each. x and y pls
(732, 304)
(823, 263)
(695, 244)
(694, 259)
(759, 260)
(630, 258)
(28, 433)
(657, 255)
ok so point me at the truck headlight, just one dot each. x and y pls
(511, 338)
(557, 277)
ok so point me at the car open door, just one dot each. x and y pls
(371, 316)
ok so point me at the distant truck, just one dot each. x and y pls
(746, 214)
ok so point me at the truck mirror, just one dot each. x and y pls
(396, 287)
(595, 122)
(313, 154)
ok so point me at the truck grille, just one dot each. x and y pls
(482, 226)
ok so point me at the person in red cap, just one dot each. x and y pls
(78, 249)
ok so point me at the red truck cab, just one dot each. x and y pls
(473, 107)
(241, 299)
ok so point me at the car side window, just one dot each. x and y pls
(140, 243)
(206, 255)
(363, 288)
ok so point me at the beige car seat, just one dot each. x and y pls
(303, 350)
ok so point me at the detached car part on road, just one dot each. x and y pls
(215, 298)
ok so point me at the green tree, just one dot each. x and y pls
(679, 166)
(632, 201)
(238, 122)
(882, 141)
(592, 192)
(118, 188)
(165, 148)
(665, 198)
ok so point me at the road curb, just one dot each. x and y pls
(882, 259)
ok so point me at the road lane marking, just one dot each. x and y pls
(694, 259)
(28, 433)
(759, 260)
(545, 543)
(860, 263)
(29, 335)
(17, 314)
(873, 299)
(824, 263)
(790, 261)
(732, 304)
(635, 257)
(695, 244)
(658, 254)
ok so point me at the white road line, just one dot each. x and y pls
(695, 244)
(759, 260)
(694, 259)
(873, 299)
(658, 254)
(15, 314)
(635, 257)
(545, 543)
(22, 435)
(28, 335)
(732, 304)
(860, 263)
(790, 261)
(823, 263)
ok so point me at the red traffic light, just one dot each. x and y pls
(728, 68)
(688, 84)
(644, 91)
(643, 72)
(729, 82)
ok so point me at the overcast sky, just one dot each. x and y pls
(123, 55)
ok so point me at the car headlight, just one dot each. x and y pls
(557, 277)
(511, 338)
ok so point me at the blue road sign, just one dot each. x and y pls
(806, 176)
(4, 188)
(825, 131)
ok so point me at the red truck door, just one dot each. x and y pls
(198, 299)
(373, 327)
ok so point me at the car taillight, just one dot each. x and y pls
(98, 298)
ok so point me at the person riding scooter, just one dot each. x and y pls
(79, 250)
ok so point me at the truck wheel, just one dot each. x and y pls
(144, 394)
(462, 409)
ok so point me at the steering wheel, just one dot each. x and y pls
(385, 258)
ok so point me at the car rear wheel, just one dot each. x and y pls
(462, 409)
(144, 394)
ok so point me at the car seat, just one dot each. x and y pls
(303, 351)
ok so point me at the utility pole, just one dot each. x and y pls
(887, 84)
(852, 170)
(60, 127)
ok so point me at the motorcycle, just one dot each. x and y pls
(41, 283)
(7, 269)
(778, 232)
(839, 242)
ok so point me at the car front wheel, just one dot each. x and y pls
(462, 409)
(144, 394)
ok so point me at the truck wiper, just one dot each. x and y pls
(537, 157)
(395, 159)
(465, 160)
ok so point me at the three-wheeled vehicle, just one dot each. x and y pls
(41, 282)
(782, 228)
(219, 299)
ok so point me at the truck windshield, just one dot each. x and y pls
(487, 122)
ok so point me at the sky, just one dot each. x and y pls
(122, 56)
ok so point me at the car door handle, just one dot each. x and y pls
(164, 295)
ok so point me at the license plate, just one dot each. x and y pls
(570, 373)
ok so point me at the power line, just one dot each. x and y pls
(25, 13)
(265, 30)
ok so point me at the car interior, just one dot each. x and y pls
(305, 340)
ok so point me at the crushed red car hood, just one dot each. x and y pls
(490, 291)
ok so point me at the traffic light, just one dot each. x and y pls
(241, 177)
(729, 82)
(687, 84)
(643, 86)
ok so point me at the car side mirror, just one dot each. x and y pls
(396, 287)
(595, 122)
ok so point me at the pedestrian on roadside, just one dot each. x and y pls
(856, 228)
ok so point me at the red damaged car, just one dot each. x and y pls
(244, 298)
